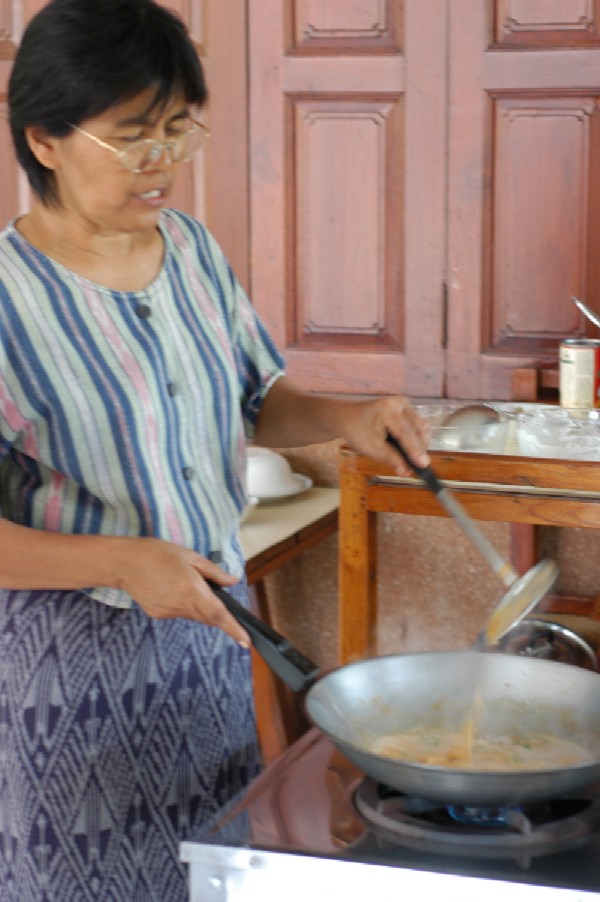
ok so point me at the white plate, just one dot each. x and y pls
(304, 483)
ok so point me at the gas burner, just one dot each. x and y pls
(503, 816)
(518, 833)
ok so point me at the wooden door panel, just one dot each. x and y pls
(333, 175)
(354, 25)
(345, 225)
(523, 196)
(542, 150)
(547, 22)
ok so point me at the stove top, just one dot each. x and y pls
(313, 803)
(516, 833)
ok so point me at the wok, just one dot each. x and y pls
(357, 703)
(521, 696)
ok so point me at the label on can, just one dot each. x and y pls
(579, 376)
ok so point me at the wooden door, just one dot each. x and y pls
(347, 169)
(410, 190)
(523, 184)
(425, 190)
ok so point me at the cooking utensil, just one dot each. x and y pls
(520, 697)
(296, 671)
(475, 427)
(593, 317)
(524, 592)
(552, 641)
(478, 414)
(358, 703)
(472, 416)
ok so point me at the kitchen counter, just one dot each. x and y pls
(277, 530)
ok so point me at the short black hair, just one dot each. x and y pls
(78, 58)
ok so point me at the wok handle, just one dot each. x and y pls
(501, 567)
(290, 665)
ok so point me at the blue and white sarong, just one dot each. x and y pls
(119, 735)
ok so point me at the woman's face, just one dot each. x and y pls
(95, 190)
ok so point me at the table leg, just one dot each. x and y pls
(278, 715)
(357, 566)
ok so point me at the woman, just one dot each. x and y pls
(132, 371)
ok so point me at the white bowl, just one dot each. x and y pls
(269, 475)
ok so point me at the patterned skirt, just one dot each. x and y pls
(119, 736)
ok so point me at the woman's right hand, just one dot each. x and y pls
(167, 581)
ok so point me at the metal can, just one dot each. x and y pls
(579, 376)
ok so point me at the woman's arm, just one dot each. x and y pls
(291, 418)
(164, 579)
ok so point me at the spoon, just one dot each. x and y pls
(482, 414)
(478, 426)
(593, 317)
(522, 596)
(472, 415)
(524, 592)
(468, 426)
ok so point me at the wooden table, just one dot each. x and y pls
(501, 488)
(276, 533)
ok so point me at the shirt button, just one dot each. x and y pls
(216, 557)
(172, 388)
(187, 472)
(143, 311)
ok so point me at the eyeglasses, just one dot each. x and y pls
(142, 155)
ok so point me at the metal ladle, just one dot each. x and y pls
(463, 428)
(593, 317)
(471, 415)
(524, 592)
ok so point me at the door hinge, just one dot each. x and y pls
(444, 314)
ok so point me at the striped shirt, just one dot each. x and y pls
(126, 413)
